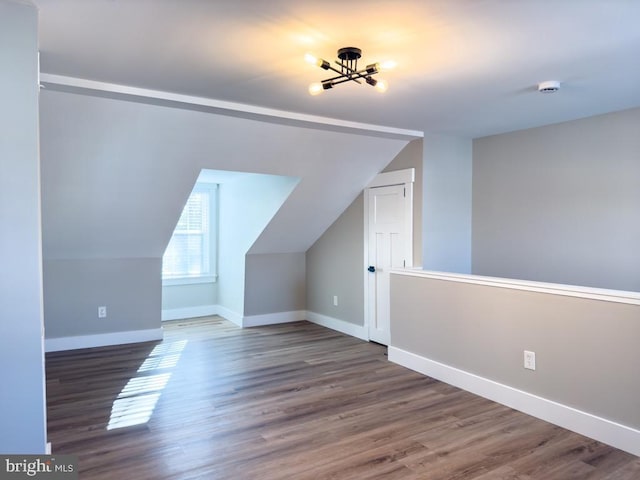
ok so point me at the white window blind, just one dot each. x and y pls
(191, 250)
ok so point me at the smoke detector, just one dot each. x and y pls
(549, 86)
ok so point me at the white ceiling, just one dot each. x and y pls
(465, 67)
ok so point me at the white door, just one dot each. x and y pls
(389, 246)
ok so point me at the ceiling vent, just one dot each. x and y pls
(549, 86)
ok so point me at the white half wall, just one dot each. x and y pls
(611, 433)
(472, 332)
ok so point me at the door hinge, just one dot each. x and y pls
(404, 192)
(404, 264)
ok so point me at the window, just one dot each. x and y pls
(190, 256)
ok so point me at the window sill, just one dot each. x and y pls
(168, 282)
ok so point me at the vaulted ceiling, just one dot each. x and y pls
(464, 67)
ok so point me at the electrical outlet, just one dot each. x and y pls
(335, 300)
(529, 360)
(102, 312)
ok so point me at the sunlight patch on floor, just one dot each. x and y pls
(136, 402)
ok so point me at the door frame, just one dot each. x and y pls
(404, 177)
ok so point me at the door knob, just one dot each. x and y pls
(371, 268)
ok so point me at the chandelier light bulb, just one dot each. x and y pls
(381, 86)
(319, 62)
(316, 89)
(387, 65)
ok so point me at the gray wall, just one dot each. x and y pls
(447, 203)
(22, 401)
(560, 203)
(131, 305)
(586, 350)
(274, 283)
(190, 295)
(334, 266)
(335, 263)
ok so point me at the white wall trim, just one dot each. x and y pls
(241, 321)
(230, 315)
(189, 312)
(395, 177)
(102, 339)
(601, 429)
(358, 331)
(618, 296)
(81, 83)
(273, 318)
(171, 282)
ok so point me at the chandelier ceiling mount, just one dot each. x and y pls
(348, 72)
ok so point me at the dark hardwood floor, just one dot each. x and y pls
(294, 401)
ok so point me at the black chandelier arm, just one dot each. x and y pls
(335, 70)
(346, 77)
(354, 76)
(363, 74)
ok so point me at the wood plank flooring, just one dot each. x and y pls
(294, 401)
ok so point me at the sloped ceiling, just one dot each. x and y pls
(465, 67)
(116, 173)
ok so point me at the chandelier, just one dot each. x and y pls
(348, 72)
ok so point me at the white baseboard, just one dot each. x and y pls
(101, 340)
(358, 331)
(273, 318)
(248, 321)
(230, 315)
(189, 312)
(601, 429)
(120, 338)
